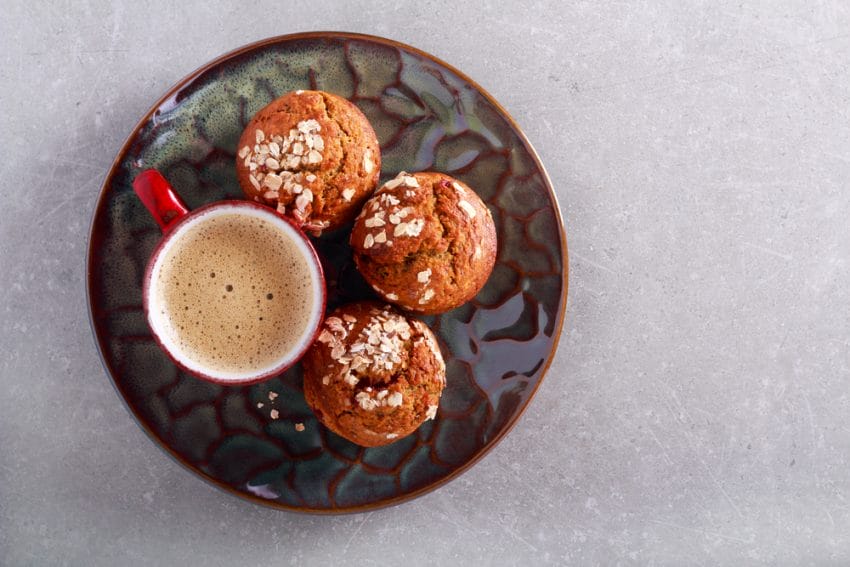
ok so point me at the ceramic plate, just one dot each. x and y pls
(427, 116)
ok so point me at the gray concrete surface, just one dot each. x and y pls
(697, 411)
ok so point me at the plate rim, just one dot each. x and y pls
(101, 200)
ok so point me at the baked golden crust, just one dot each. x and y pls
(374, 375)
(425, 241)
(311, 154)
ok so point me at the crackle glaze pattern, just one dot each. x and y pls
(497, 347)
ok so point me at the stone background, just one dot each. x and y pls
(696, 412)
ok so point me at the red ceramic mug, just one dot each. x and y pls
(253, 292)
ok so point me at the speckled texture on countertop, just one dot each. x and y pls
(697, 409)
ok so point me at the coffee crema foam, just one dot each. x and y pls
(234, 294)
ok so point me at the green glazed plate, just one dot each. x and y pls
(427, 116)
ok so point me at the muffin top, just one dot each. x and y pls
(311, 154)
(425, 241)
(373, 375)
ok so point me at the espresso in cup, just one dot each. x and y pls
(234, 293)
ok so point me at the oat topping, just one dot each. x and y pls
(368, 400)
(299, 427)
(277, 164)
(304, 199)
(467, 208)
(424, 276)
(393, 183)
(383, 209)
(460, 190)
(351, 379)
(410, 181)
(395, 399)
(273, 182)
(333, 335)
(477, 252)
(368, 166)
(379, 346)
(392, 435)
(401, 179)
(347, 194)
(375, 221)
(335, 325)
(412, 228)
(426, 297)
(432, 412)
(392, 297)
(396, 217)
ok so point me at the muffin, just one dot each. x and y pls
(312, 155)
(373, 375)
(425, 241)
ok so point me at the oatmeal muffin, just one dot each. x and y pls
(311, 154)
(425, 241)
(373, 375)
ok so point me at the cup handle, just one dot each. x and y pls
(159, 197)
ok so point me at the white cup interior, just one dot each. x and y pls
(161, 327)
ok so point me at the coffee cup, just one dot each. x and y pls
(234, 293)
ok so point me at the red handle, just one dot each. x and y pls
(159, 197)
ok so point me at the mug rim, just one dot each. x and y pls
(191, 216)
